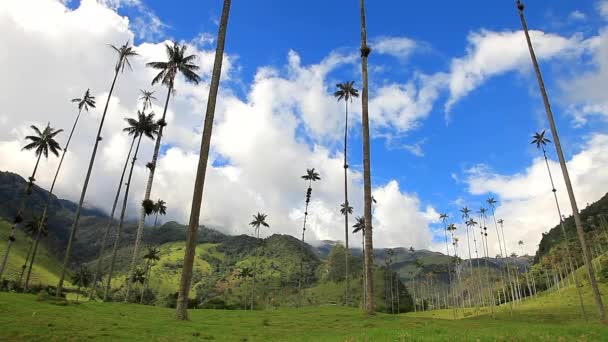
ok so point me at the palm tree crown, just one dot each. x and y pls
(124, 53)
(86, 101)
(346, 91)
(153, 254)
(176, 62)
(259, 220)
(43, 141)
(491, 202)
(345, 209)
(311, 175)
(144, 124)
(359, 225)
(465, 212)
(160, 207)
(146, 98)
(539, 139)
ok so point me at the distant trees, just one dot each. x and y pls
(41, 143)
(81, 278)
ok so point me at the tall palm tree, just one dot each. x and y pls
(151, 257)
(346, 91)
(367, 178)
(178, 62)
(562, 161)
(360, 227)
(146, 98)
(144, 125)
(465, 216)
(259, 220)
(160, 207)
(197, 196)
(346, 210)
(505, 256)
(311, 176)
(30, 229)
(444, 218)
(85, 102)
(521, 246)
(124, 53)
(541, 141)
(41, 144)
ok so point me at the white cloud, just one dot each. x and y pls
(602, 7)
(494, 53)
(577, 16)
(399, 47)
(526, 202)
(258, 139)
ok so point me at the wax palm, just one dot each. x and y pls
(178, 62)
(146, 98)
(345, 209)
(102, 244)
(201, 171)
(30, 229)
(139, 276)
(41, 143)
(160, 208)
(259, 220)
(151, 257)
(311, 176)
(360, 227)
(541, 141)
(444, 218)
(82, 278)
(125, 52)
(144, 125)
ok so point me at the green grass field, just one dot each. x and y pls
(551, 317)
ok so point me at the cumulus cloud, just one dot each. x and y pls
(526, 202)
(577, 16)
(493, 53)
(259, 150)
(399, 47)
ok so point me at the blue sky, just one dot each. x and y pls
(465, 139)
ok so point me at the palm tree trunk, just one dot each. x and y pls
(120, 224)
(565, 236)
(504, 257)
(145, 284)
(48, 202)
(562, 161)
(152, 168)
(27, 258)
(490, 289)
(255, 265)
(447, 250)
(74, 228)
(346, 255)
(19, 216)
(300, 280)
(197, 197)
(367, 180)
(106, 232)
(364, 273)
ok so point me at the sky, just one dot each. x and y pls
(453, 105)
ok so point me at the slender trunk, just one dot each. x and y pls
(255, 265)
(562, 161)
(19, 216)
(27, 258)
(565, 236)
(106, 232)
(490, 290)
(120, 224)
(367, 179)
(74, 228)
(145, 284)
(364, 273)
(300, 280)
(152, 168)
(347, 295)
(48, 201)
(197, 197)
(447, 251)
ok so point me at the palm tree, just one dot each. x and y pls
(146, 98)
(177, 63)
(160, 207)
(492, 204)
(82, 278)
(86, 101)
(311, 176)
(151, 257)
(124, 53)
(345, 210)
(360, 227)
(259, 220)
(346, 91)
(41, 143)
(444, 218)
(197, 196)
(30, 228)
(367, 178)
(521, 246)
(562, 161)
(144, 125)
(541, 141)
